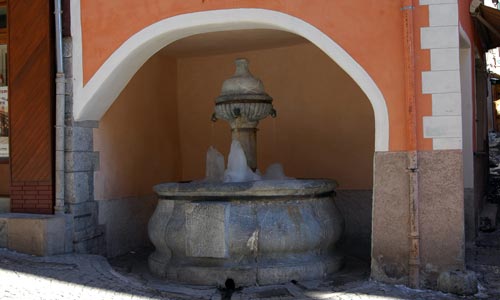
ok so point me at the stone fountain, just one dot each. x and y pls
(251, 232)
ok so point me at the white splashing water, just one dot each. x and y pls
(237, 168)
(275, 172)
(215, 166)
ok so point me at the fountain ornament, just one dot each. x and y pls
(243, 103)
(233, 225)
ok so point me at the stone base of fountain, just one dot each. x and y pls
(261, 232)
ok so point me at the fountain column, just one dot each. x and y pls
(242, 103)
(247, 136)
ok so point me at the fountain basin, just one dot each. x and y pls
(260, 232)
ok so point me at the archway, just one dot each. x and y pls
(93, 99)
(159, 128)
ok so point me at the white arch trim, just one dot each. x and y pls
(91, 101)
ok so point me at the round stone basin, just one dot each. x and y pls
(260, 232)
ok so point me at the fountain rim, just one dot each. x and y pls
(253, 189)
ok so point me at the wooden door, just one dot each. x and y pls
(31, 78)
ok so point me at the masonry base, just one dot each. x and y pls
(441, 214)
(40, 235)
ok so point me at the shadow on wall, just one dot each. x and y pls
(126, 223)
(356, 208)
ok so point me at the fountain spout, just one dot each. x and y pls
(243, 103)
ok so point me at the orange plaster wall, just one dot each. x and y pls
(422, 63)
(465, 19)
(370, 31)
(325, 124)
(137, 138)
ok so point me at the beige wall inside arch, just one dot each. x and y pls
(159, 130)
(324, 128)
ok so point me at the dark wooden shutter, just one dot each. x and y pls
(31, 78)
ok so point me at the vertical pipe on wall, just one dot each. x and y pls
(411, 120)
(60, 111)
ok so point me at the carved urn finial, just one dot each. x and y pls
(243, 102)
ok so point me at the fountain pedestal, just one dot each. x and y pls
(262, 232)
(253, 232)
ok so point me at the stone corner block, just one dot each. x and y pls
(444, 14)
(41, 235)
(79, 139)
(445, 59)
(443, 127)
(434, 2)
(439, 37)
(79, 187)
(86, 124)
(67, 47)
(458, 282)
(447, 104)
(81, 161)
(441, 82)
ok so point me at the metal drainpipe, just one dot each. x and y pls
(60, 111)
(411, 118)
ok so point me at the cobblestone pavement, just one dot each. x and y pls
(65, 277)
(73, 276)
(91, 277)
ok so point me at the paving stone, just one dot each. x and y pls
(91, 277)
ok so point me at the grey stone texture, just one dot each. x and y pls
(356, 208)
(79, 187)
(458, 282)
(474, 198)
(79, 139)
(86, 124)
(40, 235)
(95, 242)
(81, 161)
(441, 217)
(4, 233)
(66, 277)
(4, 205)
(390, 245)
(125, 222)
(68, 66)
(262, 232)
(201, 242)
(84, 221)
(442, 240)
(470, 211)
(91, 277)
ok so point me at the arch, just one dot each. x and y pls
(92, 100)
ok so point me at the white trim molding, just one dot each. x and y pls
(91, 101)
(443, 79)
